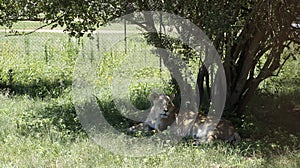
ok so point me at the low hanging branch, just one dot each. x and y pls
(39, 28)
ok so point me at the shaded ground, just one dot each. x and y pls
(277, 111)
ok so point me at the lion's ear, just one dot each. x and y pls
(153, 96)
(172, 96)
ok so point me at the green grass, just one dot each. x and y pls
(39, 126)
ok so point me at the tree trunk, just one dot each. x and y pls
(203, 76)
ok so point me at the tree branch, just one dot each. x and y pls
(281, 66)
(41, 27)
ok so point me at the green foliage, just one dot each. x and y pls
(54, 117)
(140, 93)
(285, 79)
(78, 17)
(32, 75)
(113, 116)
(39, 122)
(139, 96)
(233, 27)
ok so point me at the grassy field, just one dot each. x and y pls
(39, 126)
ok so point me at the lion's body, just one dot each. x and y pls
(163, 114)
(223, 130)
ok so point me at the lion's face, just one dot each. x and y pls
(162, 104)
(162, 112)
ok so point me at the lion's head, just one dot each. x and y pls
(162, 113)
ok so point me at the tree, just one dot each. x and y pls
(79, 16)
(250, 35)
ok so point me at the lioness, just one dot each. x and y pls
(163, 113)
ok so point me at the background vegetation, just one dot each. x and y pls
(255, 38)
(39, 126)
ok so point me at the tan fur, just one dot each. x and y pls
(224, 130)
(200, 130)
(163, 113)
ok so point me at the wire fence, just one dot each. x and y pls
(32, 55)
